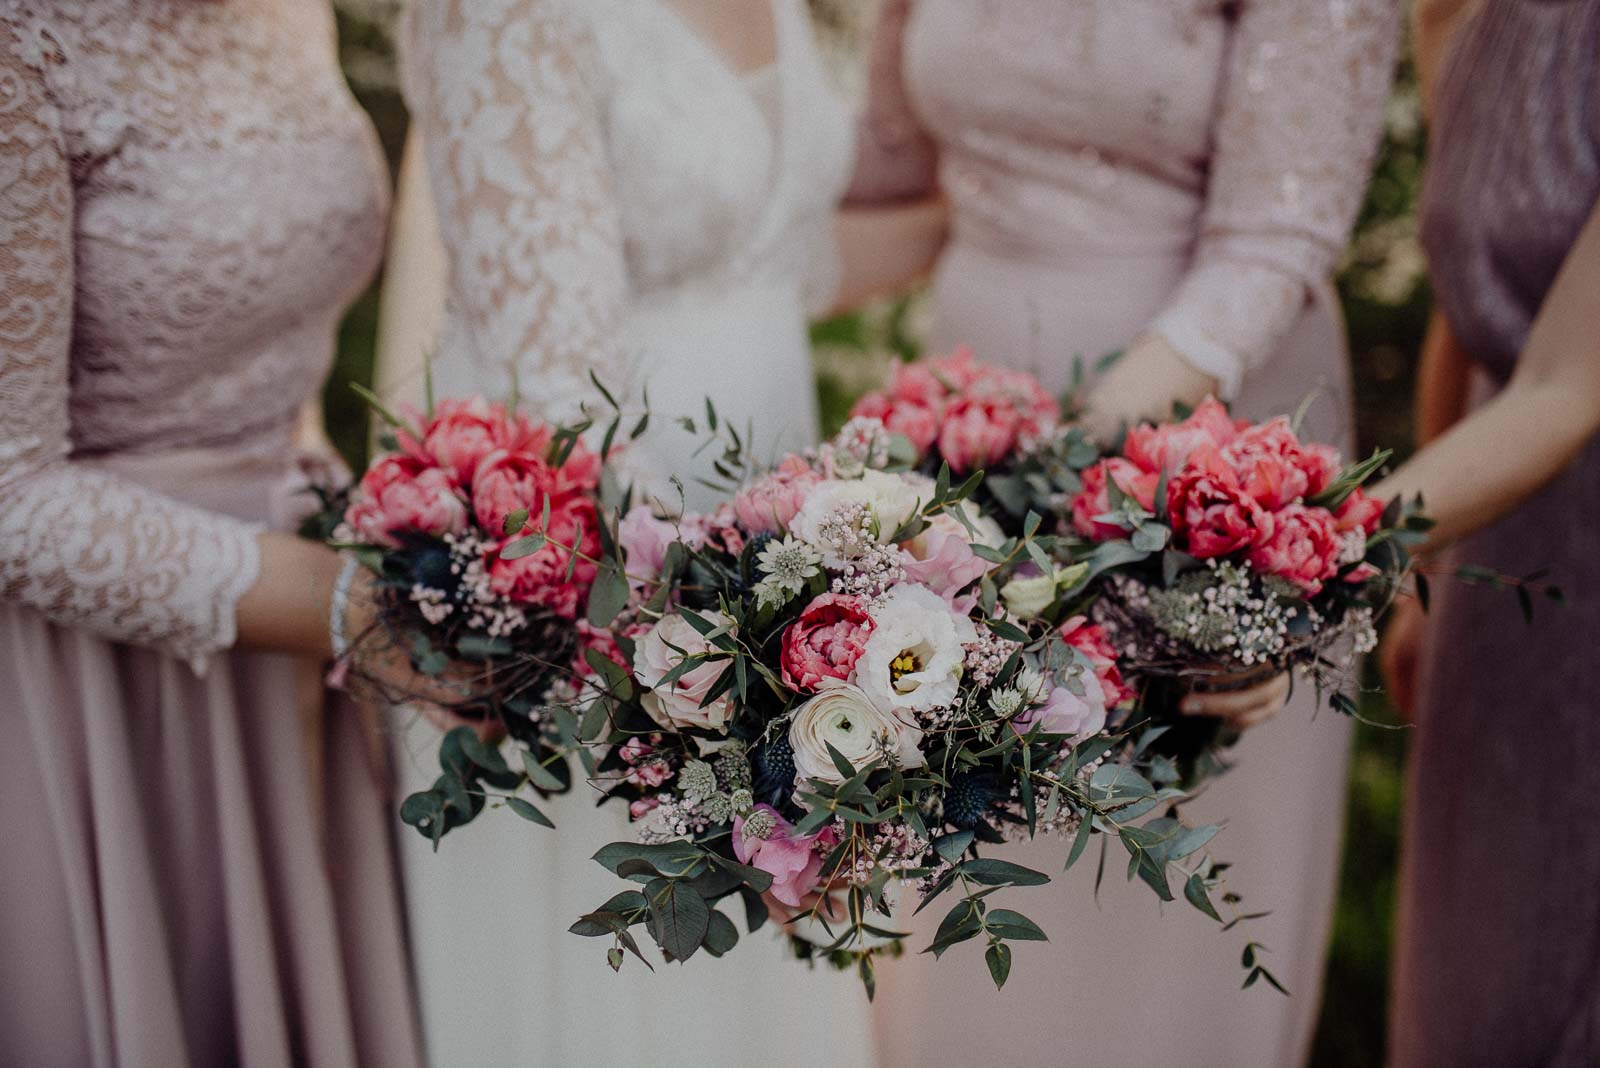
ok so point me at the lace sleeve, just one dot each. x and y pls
(86, 549)
(896, 158)
(1300, 112)
(508, 97)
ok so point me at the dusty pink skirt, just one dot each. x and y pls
(192, 877)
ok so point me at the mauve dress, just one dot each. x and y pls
(1116, 166)
(1499, 934)
(188, 200)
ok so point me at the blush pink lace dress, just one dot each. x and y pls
(188, 199)
(1115, 167)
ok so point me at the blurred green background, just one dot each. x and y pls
(1386, 303)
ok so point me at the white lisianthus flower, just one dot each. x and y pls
(677, 705)
(842, 716)
(889, 501)
(913, 659)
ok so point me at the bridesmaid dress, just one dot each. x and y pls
(612, 196)
(1498, 946)
(188, 199)
(1191, 168)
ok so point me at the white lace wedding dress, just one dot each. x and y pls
(612, 196)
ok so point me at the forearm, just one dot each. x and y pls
(286, 610)
(886, 250)
(1443, 379)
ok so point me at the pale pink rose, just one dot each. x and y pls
(1275, 468)
(1211, 514)
(1303, 547)
(767, 505)
(941, 558)
(1094, 499)
(1359, 512)
(1090, 640)
(977, 433)
(825, 642)
(793, 862)
(677, 705)
(399, 496)
(644, 540)
(916, 420)
(1065, 712)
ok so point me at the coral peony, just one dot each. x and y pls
(825, 642)
(399, 495)
(1302, 548)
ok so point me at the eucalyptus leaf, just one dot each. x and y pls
(679, 917)
(529, 812)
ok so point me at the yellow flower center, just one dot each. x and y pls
(904, 664)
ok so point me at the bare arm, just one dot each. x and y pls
(1489, 462)
(887, 250)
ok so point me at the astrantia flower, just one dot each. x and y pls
(913, 659)
(844, 717)
(787, 564)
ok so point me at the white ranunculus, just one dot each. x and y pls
(913, 659)
(677, 705)
(842, 716)
(890, 499)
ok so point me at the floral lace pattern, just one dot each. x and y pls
(188, 199)
(1249, 140)
(592, 157)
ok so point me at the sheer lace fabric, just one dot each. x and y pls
(188, 199)
(595, 160)
(1248, 143)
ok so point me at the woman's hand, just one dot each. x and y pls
(1143, 384)
(1242, 708)
(1401, 656)
(386, 669)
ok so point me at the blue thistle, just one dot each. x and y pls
(969, 797)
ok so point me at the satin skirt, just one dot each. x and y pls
(1125, 979)
(199, 868)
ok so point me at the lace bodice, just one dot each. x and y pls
(188, 199)
(1240, 131)
(594, 161)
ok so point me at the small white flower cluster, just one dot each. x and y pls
(985, 658)
(1221, 610)
(786, 566)
(860, 444)
(673, 818)
(868, 568)
(1353, 547)
(894, 848)
(486, 611)
(1064, 820)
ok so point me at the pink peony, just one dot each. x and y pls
(1090, 640)
(793, 862)
(771, 502)
(1094, 499)
(825, 642)
(1275, 468)
(460, 435)
(917, 420)
(1167, 447)
(977, 433)
(958, 371)
(1302, 547)
(1359, 512)
(541, 579)
(399, 495)
(1211, 513)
